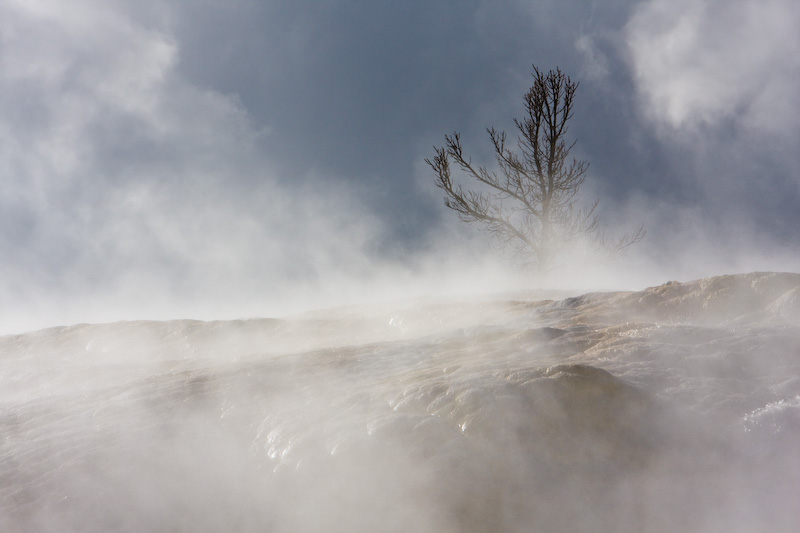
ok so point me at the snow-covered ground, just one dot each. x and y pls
(676, 408)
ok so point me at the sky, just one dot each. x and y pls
(221, 159)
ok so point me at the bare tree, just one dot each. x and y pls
(530, 204)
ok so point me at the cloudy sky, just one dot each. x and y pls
(240, 157)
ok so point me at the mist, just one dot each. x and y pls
(232, 299)
(670, 408)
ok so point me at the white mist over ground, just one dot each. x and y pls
(675, 408)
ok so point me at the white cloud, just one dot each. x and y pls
(702, 62)
(595, 63)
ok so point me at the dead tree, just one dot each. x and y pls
(530, 203)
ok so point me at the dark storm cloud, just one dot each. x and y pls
(346, 87)
(356, 89)
(229, 153)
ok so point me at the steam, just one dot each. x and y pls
(672, 407)
(140, 182)
(719, 84)
(702, 63)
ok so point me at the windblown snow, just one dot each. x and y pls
(675, 408)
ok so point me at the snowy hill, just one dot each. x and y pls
(675, 408)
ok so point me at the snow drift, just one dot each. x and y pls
(676, 408)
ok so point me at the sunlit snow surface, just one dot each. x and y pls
(676, 408)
